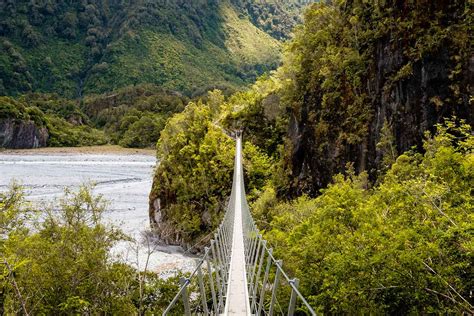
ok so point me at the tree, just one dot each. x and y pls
(64, 266)
(403, 246)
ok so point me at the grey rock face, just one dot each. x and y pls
(409, 106)
(22, 134)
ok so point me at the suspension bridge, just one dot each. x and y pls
(238, 274)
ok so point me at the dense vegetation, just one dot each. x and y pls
(402, 246)
(358, 173)
(81, 47)
(130, 116)
(114, 55)
(62, 265)
(133, 116)
(277, 18)
(365, 183)
(356, 66)
(65, 123)
(193, 146)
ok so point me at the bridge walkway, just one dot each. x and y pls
(238, 274)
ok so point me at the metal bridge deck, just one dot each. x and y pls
(237, 301)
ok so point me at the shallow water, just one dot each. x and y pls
(123, 180)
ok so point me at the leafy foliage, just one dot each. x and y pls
(134, 116)
(73, 48)
(354, 65)
(402, 246)
(13, 109)
(259, 111)
(62, 133)
(131, 116)
(278, 18)
(62, 263)
(65, 122)
(193, 179)
(195, 171)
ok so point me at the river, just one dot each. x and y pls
(124, 180)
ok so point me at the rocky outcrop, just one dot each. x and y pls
(19, 134)
(407, 93)
(165, 229)
(412, 107)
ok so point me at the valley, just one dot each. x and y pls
(318, 154)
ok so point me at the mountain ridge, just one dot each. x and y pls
(97, 46)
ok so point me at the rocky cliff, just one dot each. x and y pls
(22, 134)
(369, 85)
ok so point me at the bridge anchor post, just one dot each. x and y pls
(184, 282)
(291, 308)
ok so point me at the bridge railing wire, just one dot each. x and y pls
(271, 291)
(269, 286)
(204, 291)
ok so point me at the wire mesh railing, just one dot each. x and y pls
(203, 291)
(270, 290)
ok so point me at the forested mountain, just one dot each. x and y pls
(360, 84)
(79, 47)
(370, 81)
(358, 150)
(124, 63)
(278, 18)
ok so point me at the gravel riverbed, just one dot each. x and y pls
(123, 179)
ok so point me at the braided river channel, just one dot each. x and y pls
(124, 180)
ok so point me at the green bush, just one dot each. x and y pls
(143, 132)
(10, 108)
(195, 170)
(63, 133)
(194, 177)
(62, 264)
(119, 113)
(56, 114)
(404, 246)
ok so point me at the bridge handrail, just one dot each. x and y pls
(253, 241)
(252, 262)
(186, 282)
(218, 256)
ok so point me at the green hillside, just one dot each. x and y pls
(277, 18)
(77, 48)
